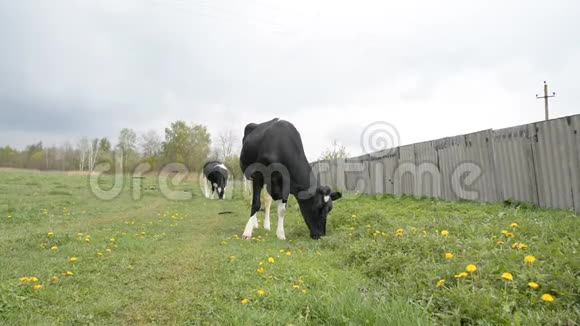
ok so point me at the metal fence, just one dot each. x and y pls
(537, 163)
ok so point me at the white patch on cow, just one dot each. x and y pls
(215, 185)
(326, 198)
(219, 189)
(222, 166)
(252, 223)
(280, 229)
(267, 212)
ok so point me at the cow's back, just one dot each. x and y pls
(274, 141)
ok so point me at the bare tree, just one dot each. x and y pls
(150, 143)
(83, 148)
(226, 144)
(93, 153)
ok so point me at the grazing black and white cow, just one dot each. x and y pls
(273, 155)
(216, 173)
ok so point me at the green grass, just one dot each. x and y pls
(181, 262)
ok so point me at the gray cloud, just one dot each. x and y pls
(75, 68)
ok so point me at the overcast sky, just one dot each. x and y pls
(430, 68)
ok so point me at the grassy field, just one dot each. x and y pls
(70, 258)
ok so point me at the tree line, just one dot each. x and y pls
(187, 144)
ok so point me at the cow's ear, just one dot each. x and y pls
(335, 195)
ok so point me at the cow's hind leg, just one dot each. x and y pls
(267, 211)
(280, 228)
(253, 221)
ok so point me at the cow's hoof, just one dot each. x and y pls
(247, 237)
(267, 226)
(281, 237)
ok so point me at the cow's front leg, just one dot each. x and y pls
(253, 221)
(280, 229)
(267, 212)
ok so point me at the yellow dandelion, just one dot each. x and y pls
(281, 250)
(510, 235)
(100, 254)
(522, 246)
(108, 250)
(271, 260)
(50, 233)
(232, 257)
(54, 248)
(460, 275)
(399, 231)
(514, 225)
(499, 243)
(414, 229)
(33, 279)
(288, 253)
(260, 292)
(515, 244)
(142, 233)
(353, 215)
(471, 268)
(87, 239)
(295, 286)
(529, 259)
(261, 263)
(80, 234)
(260, 270)
(37, 287)
(54, 278)
(507, 276)
(424, 232)
(73, 259)
(504, 232)
(448, 255)
(244, 301)
(304, 291)
(112, 240)
(547, 297)
(533, 285)
(444, 233)
(68, 273)
(24, 279)
(440, 283)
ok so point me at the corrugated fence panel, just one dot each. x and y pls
(428, 176)
(325, 173)
(357, 175)
(479, 152)
(575, 130)
(552, 147)
(514, 164)
(340, 175)
(390, 164)
(404, 175)
(377, 177)
(451, 153)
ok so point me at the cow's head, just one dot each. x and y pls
(316, 209)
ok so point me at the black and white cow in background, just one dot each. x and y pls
(273, 155)
(216, 174)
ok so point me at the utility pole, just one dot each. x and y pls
(545, 97)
